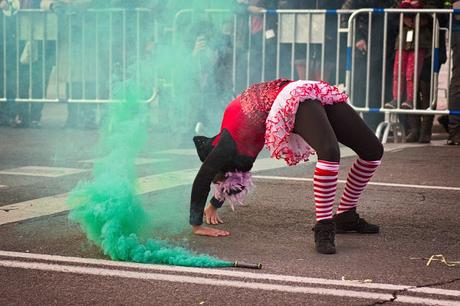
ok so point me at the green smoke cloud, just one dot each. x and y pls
(107, 207)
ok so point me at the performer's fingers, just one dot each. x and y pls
(220, 220)
(222, 233)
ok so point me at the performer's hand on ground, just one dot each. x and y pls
(211, 216)
(209, 231)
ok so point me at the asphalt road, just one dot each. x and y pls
(45, 259)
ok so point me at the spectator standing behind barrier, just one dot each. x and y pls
(315, 55)
(82, 67)
(28, 71)
(425, 122)
(211, 60)
(454, 89)
(405, 56)
(420, 126)
(251, 20)
(376, 60)
(8, 67)
(408, 74)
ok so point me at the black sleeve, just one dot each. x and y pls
(221, 154)
(216, 203)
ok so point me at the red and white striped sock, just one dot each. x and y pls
(325, 188)
(360, 174)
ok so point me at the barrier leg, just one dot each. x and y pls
(380, 127)
(386, 132)
(397, 128)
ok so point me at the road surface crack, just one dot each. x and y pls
(399, 292)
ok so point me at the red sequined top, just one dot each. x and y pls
(244, 117)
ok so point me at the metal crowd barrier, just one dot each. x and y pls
(83, 57)
(288, 43)
(392, 122)
(310, 44)
(74, 57)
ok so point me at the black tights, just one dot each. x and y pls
(323, 127)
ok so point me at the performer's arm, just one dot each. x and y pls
(211, 216)
(222, 153)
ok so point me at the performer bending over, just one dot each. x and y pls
(293, 119)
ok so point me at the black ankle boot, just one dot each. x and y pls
(412, 137)
(325, 236)
(425, 130)
(414, 128)
(350, 221)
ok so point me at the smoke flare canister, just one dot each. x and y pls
(239, 264)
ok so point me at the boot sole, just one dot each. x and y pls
(354, 232)
(327, 253)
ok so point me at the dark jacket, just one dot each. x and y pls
(362, 19)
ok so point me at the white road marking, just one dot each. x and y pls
(33, 208)
(137, 161)
(222, 283)
(42, 171)
(228, 273)
(301, 179)
(56, 204)
(184, 152)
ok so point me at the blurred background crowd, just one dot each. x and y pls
(192, 65)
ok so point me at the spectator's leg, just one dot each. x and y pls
(22, 109)
(454, 98)
(397, 78)
(88, 110)
(413, 120)
(72, 109)
(411, 74)
(427, 120)
(37, 89)
(42, 73)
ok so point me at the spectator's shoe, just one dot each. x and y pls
(70, 124)
(350, 221)
(426, 130)
(325, 236)
(391, 105)
(454, 140)
(4, 122)
(412, 137)
(19, 123)
(444, 122)
(407, 105)
(35, 124)
(90, 125)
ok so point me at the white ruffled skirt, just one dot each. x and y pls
(279, 138)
